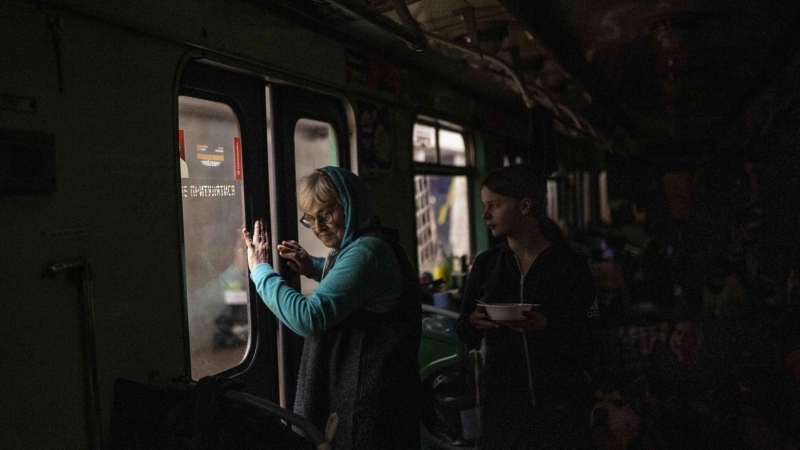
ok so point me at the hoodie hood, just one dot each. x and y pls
(357, 200)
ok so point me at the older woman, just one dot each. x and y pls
(362, 324)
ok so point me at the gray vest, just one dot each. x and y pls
(366, 370)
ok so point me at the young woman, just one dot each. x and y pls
(362, 323)
(535, 370)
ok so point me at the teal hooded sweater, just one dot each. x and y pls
(363, 328)
(358, 278)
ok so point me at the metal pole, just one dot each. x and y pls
(476, 367)
(80, 271)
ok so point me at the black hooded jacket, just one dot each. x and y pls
(560, 281)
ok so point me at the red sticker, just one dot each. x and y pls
(181, 146)
(237, 157)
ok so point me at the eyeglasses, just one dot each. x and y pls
(310, 221)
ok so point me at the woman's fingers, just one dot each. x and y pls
(534, 321)
(257, 245)
(291, 250)
(479, 321)
(290, 246)
(260, 235)
(257, 232)
(286, 253)
(285, 248)
(258, 238)
(484, 324)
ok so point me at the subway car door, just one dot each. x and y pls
(222, 135)
(310, 131)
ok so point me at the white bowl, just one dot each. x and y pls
(506, 311)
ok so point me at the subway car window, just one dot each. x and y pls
(442, 219)
(314, 147)
(452, 148)
(425, 143)
(442, 197)
(215, 264)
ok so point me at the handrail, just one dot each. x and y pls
(308, 428)
(526, 97)
(558, 109)
(414, 38)
(442, 311)
(301, 422)
(80, 271)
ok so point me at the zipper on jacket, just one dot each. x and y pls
(525, 335)
(521, 279)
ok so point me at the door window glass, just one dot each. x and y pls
(215, 260)
(442, 219)
(424, 143)
(441, 188)
(453, 149)
(314, 147)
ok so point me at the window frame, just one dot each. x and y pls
(287, 103)
(425, 168)
(201, 80)
(240, 114)
(437, 169)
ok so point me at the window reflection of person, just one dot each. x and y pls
(214, 263)
(362, 324)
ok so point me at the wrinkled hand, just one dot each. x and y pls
(480, 321)
(297, 257)
(534, 321)
(257, 245)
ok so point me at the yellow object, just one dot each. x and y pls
(446, 207)
(443, 271)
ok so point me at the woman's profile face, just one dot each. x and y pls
(499, 212)
(327, 223)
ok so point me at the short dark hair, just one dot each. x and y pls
(520, 181)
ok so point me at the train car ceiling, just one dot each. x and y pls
(663, 78)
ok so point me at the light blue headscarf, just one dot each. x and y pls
(357, 200)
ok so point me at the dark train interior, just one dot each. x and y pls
(137, 139)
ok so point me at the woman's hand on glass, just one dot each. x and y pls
(257, 245)
(297, 257)
(480, 320)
